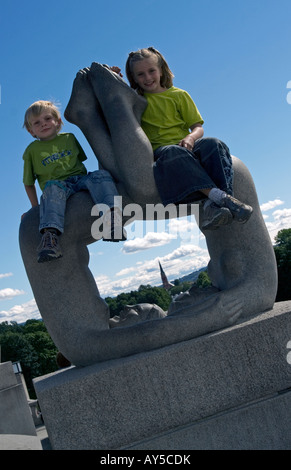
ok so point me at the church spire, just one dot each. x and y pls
(166, 284)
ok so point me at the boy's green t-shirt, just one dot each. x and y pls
(168, 116)
(55, 159)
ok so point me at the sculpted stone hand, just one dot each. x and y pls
(242, 264)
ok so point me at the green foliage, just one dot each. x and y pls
(282, 250)
(32, 346)
(203, 280)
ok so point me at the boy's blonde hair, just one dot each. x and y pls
(146, 53)
(36, 108)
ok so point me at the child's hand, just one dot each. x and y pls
(188, 142)
(116, 69)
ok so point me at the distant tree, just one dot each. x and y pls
(155, 295)
(282, 250)
(32, 346)
(203, 280)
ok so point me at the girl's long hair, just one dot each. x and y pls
(167, 75)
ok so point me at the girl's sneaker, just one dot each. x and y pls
(241, 212)
(49, 248)
(214, 216)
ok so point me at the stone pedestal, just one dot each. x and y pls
(226, 390)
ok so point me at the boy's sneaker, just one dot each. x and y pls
(214, 217)
(49, 248)
(241, 212)
(113, 230)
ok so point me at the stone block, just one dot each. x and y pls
(19, 442)
(262, 425)
(7, 376)
(15, 415)
(117, 403)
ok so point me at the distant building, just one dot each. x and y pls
(166, 284)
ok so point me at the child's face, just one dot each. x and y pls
(45, 126)
(147, 74)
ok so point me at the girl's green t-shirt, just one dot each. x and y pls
(168, 116)
(55, 159)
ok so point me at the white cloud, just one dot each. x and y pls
(283, 214)
(126, 271)
(271, 204)
(8, 293)
(150, 240)
(21, 313)
(185, 228)
(5, 275)
(281, 220)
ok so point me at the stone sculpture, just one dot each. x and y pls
(242, 264)
(132, 314)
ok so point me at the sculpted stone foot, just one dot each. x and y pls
(83, 103)
(84, 111)
(109, 86)
(122, 108)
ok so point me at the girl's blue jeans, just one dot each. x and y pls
(53, 201)
(181, 174)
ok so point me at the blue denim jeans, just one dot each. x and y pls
(53, 201)
(181, 174)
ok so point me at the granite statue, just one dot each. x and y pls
(242, 264)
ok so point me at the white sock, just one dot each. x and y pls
(216, 195)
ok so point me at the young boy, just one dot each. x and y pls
(55, 160)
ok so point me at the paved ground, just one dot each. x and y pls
(23, 442)
(42, 435)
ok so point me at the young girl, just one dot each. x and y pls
(187, 166)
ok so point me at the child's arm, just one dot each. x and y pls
(197, 132)
(32, 195)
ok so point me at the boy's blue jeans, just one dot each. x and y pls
(53, 201)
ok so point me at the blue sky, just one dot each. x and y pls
(232, 57)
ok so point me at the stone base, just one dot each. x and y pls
(15, 414)
(19, 442)
(226, 390)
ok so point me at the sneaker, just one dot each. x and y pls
(241, 212)
(215, 216)
(113, 228)
(49, 247)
